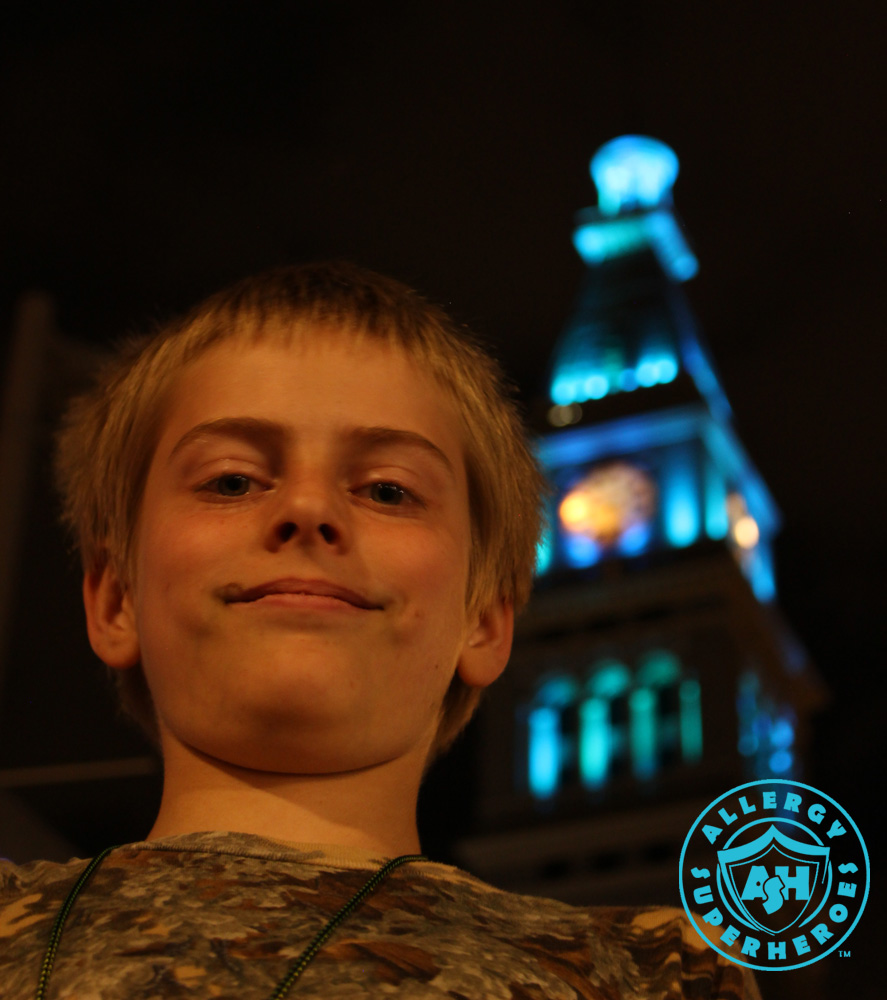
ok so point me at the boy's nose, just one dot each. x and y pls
(326, 531)
(310, 511)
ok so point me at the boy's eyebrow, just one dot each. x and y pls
(257, 431)
(372, 436)
(250, 429)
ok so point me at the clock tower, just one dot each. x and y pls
(652, 669)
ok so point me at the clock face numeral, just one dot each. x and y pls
(610, 500)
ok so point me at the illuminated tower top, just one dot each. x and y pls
(634, 176)
(640, 443)
(632, 328)
(633, 171)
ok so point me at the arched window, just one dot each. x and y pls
(602, 722)
(669, 716)
(549, 722)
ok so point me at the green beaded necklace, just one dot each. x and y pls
(295, 970)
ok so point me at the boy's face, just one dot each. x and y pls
(329, 466)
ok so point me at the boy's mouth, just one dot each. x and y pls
(234, 593)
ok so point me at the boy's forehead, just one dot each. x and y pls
(304, 338)
(201, 392)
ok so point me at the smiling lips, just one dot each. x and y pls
(235, 594)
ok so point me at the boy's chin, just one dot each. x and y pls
(294, 757)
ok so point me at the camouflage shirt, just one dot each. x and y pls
(225, 914)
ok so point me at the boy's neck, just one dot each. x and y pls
(373, 808)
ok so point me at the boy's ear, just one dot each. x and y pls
(110, 619)
(488, 646)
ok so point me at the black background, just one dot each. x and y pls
(152, 153)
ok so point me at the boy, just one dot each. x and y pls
(307, 515)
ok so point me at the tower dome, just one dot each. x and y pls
(633, 171)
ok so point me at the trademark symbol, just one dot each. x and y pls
(844, 954)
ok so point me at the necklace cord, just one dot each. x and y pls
(299, 965)
(61, 917)
(296, 969)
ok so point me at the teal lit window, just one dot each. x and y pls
(545, 751)
(549, 738)
(602, 733)
(690, 695)
(642, 705)
(681, 500)
(617, 723)
(594, 741)
(678, 710)
(717, 521)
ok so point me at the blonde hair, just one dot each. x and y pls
(108, 435)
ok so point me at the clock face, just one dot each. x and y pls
(611, 500)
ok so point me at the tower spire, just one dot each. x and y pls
(632, 378)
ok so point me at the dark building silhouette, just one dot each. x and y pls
(73, 778)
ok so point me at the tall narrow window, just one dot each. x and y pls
(545, 751)
(680, 496)
(677, 715)
(644, 755)
(690, 696)
(549, 736)
(602, 718)
(594, 741)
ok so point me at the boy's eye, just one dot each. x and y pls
(232, 485)
(389, 494)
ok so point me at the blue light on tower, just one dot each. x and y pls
(594, 741)
(670, 246)
(634, 175)
(596, 244)
(544, 552)
(691, 720)
(546, 739)
(618, 716)
(717, 521)
(766, 730)
(680, 498)
(545, 751)
(631, 332)
(581, 551)
(760, 570)
(633, 171)
(642, 707)
(635, 539)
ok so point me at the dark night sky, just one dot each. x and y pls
(153, 153)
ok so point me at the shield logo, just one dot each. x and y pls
(774, 880)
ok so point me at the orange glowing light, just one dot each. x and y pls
(611, 499)
(746, 532)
